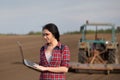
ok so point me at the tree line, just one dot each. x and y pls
(117, 30)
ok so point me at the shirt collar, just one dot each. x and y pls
(58, 45)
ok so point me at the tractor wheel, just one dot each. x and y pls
(111, 56)
(82, 57)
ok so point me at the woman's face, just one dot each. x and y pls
(48, 36)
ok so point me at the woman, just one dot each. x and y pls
(54, 56)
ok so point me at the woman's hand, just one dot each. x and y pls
(41, 68)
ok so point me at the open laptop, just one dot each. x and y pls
(29, 63)
(26, 62)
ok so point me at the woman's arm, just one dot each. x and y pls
(51, 69)
(57, 69)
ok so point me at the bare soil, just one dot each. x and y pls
(11, 67)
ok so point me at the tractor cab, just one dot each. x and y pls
(95, 37)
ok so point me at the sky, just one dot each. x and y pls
(23, 16)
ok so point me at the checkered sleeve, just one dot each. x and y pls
(65, 56)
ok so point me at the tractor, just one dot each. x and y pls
(99, 52)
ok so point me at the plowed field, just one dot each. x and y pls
(11, 67)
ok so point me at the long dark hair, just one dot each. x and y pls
(53, 29)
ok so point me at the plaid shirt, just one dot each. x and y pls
(60, 57)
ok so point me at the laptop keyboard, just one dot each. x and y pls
(29, 63)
